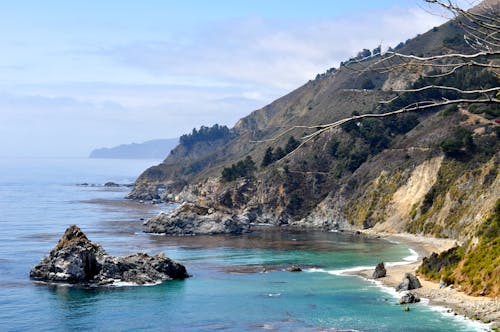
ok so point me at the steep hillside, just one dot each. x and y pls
(431, 172)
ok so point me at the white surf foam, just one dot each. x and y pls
(411, 258)
(132, 284)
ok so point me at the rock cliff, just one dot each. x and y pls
(432, 172)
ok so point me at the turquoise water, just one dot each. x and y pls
(237, 283)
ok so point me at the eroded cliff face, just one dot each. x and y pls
(392, 174)
(411, 186)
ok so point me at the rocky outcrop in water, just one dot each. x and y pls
(409, 282)
(294, 268)
(192, 219)
(379, 271)
(409, 298)
(77, 260)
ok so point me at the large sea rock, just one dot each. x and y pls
(409, 282)
(77, 260)
(379, 271)
(192, 219)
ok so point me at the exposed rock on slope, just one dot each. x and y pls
(432, 172)
(77, 260)
(390, 174)
(191, 219)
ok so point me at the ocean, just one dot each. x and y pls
(238, 283)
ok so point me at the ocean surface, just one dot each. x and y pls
(237, 283)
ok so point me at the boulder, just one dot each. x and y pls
(443, 284)
(379, 271)
(192, 219)
(409, 282)
(294, 268)
(409, 298)
(77, 260)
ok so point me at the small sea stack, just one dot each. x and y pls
(77, 260)
(379, 271)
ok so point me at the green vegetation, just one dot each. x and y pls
(456, 40)
(370, 207)
(268, 157)
(458, 144)
(368, 84)
(242, 169)
(476, 267)
(271, 156)
(378, 133)
(450, 110)
(428, 200)
(450, 170)
(295, 203)
(464, 160)
(442, 266)
(367, 137)
(205, 134)
(490, 112)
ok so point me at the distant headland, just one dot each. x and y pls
(153, 149)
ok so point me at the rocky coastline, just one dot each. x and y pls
(77, 260)
(192, 219)
(477, 308)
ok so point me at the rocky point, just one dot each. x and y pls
(77, 260)
(192, 219)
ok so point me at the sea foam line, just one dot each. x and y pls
(412, 258)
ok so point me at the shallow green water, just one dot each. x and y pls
(237, 284)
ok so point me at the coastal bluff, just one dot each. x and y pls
(77, 260)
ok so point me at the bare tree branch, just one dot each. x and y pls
(428, 87)
(424, 105)
(482, 31)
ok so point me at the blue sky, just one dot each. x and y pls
(77, 75)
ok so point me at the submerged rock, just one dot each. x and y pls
(379, 271)
(192, 219)
(409, 298)
(294, 268)
(77, 260)
(409, 282)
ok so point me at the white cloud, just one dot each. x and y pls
(271, 53)
(217, 73)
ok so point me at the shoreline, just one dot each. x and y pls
(480, 310)
(483, 309)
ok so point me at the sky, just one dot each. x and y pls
(83, 74)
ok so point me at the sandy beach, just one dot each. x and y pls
(484, 309)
